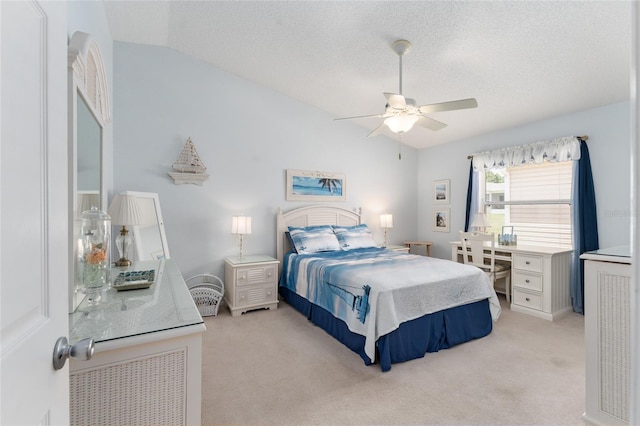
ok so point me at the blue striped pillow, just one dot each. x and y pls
(354, 237)
(312, 239)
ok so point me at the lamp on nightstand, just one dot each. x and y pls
(386, 222)
(241, 225)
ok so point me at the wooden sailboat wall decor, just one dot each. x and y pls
(188, 167)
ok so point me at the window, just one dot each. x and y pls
(535, 199)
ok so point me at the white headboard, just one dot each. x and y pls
(310, 216)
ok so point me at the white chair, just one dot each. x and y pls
(479, 250)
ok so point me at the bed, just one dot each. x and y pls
(386, 306)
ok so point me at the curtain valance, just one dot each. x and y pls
(562, 149)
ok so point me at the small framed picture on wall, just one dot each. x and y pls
(441, 191)
(441, 218)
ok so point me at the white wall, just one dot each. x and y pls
(608, 131)
(247, 136)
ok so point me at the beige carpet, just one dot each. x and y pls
(274, 367)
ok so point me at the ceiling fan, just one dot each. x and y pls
(402, 113)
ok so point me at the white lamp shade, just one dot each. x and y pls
(480, 221)
(241, 225)
(401, 122)
(386, 220)
(126, 210)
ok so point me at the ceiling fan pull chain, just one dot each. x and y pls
(400, 147)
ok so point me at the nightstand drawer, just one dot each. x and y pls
(255, 275)
(529, 300)
(526, 280)
(255, 295)
(527, 262)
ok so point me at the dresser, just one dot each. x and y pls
(250, 282)
(147, 364)
(607, 335)
(540, 278)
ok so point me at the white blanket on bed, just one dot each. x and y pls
(402, 288)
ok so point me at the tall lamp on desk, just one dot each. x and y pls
(480, 223)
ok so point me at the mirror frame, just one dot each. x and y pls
(138, 240)
(86, 77)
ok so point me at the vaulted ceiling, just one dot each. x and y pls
(523, 61)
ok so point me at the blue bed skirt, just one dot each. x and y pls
(413, 339)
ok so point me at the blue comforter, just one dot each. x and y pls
(374, 290)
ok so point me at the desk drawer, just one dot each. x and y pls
(529, 300)
(526, 280)
(527, 262)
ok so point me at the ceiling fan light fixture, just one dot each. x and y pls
(401, 123)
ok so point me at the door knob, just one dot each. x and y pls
(82, 350)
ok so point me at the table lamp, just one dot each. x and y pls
(386, 222)
(480, 223)
(126, 210)
(241, 225)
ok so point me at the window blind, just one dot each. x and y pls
(536, 203)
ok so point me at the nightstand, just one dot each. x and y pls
(401, 249)
(250, 282)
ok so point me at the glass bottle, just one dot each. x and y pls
(94, 253)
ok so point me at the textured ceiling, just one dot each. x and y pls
(523, 61)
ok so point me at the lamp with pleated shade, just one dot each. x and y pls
(125, 210)
(480, 223)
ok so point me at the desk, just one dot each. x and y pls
(148, 354)
(425, 244)
(540, 278)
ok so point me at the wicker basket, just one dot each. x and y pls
(207, 291)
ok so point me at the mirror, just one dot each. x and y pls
(89, 113)
(89, 143)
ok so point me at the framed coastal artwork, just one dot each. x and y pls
(441, 191)
(441, 218)
(315, 186)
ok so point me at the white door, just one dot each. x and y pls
(33, 211)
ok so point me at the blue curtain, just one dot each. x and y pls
(472, 198)
(585, 223)
(467, 217)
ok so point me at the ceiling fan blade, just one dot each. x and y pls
(449, 106)
(376, 131)
(359, 116)
(395, 101)
(430, 123)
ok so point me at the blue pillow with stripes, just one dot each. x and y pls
(354, 237)
(312, 239)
